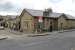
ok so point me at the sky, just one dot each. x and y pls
(14, 7)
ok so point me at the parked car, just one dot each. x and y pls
(1, 28)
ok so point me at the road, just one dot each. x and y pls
(61, 41)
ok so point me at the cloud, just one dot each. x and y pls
(15, 6)
(6, 7)
(64, 6)
(73, 1)
(55, 1)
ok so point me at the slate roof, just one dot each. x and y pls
(69, 16)
(53, 14)
(35, 12)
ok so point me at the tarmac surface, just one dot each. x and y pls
(57, 41)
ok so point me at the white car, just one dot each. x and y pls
(1, 28)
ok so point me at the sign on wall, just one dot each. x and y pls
(40, 18)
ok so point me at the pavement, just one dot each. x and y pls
(5, 34)
(3, 37)
(50, 33)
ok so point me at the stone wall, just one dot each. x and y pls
(27, 22)
(62, 23)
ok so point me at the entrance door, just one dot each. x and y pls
(50, 29)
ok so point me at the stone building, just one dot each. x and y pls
(29, 20)
(2, 20)
(11, 21)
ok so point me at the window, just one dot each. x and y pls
(46, 13)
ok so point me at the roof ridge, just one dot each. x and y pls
(33, 9)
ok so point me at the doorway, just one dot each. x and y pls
(50, 27)
(61, 26)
